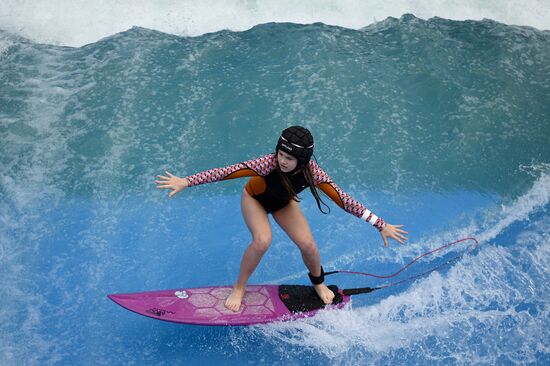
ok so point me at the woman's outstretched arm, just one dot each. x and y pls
(250, 168)
(349, 204)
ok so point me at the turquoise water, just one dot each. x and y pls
(439, 125)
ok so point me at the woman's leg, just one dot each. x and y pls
(257, 221)
(293, 222)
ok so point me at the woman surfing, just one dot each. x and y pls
(276, 180)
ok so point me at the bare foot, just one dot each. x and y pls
(324, 293)
(234, 299)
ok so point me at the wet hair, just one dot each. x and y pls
(309, 179)
(313, 189)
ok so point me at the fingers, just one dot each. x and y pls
(402, 237)
(393, 236)
(399, 240)
(165, 182)
(168, 175)
(399, 230)
(168, 181)
(174, 191)
(396, 233)
(393, 232)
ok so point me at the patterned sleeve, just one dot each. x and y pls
(259, 166)
(341, 198)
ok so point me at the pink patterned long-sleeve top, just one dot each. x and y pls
(265, 185)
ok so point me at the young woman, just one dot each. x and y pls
(276, 180)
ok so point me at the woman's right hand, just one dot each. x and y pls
(170, 181)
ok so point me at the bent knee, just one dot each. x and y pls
(307, 244)
(262, 242)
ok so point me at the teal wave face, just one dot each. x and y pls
(405, 104)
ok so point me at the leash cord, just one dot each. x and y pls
(369, 289)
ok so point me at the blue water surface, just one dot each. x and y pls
(440, 125)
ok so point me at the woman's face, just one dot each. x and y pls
(287, 162)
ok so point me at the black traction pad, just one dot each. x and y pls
(301, 298)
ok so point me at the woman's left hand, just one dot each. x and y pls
(395, 232)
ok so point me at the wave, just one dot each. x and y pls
(76, 23)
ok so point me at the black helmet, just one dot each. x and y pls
(298, 142)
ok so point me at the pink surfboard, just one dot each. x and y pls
(205, 305)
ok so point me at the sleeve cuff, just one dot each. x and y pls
(190, 180)
(374, 220)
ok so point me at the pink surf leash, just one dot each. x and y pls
(363, 290)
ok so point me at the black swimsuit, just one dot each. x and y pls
(272, 193)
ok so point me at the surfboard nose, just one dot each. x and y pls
(117, 298)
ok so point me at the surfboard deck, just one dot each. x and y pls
(205, 305)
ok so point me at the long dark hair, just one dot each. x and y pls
(313, 189)
(309, 179)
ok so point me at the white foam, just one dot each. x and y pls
(5, 44)
(537, 197)
(477, 295)
(80, 22)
